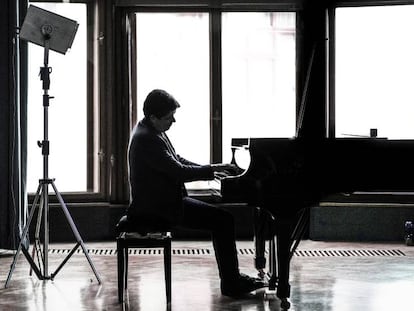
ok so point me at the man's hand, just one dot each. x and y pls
(223, 170)
(223, 167)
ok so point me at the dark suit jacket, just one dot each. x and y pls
(157, 175)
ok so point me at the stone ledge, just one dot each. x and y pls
(359, 221)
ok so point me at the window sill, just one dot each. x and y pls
(376, 198)
(72, 197)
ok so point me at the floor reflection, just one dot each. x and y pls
(318, 283)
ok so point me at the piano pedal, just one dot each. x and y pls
(264, 276)
(272, 281)
(270, 294)
(261, 274)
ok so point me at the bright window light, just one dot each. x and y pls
(173, 54)
(259, 71)
(67, 110)
(375, 71)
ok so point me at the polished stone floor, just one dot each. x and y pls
(325, 276)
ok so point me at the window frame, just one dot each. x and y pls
(125, 14)
(360, 196)
(331, 27)
(314, 24)
(332, 55)
(215, 53)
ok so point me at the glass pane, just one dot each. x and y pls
(173, 54)
(374, 71)
(258, 76)
(67, 110)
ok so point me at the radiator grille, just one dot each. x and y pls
(350, 253)
(242, 252)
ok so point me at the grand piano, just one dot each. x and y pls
(286, 177)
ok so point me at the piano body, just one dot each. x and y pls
(286, 177)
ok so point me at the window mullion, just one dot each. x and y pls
(215, 88)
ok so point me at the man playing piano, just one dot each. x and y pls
(159, 198)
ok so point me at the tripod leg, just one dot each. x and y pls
(23, 238)
(65, 260)
(75, 232)
(36, 251)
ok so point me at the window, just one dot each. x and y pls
(173, 54)
(258, 75)
(374, 71)
(67, 110)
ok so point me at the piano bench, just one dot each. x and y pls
(127, 239)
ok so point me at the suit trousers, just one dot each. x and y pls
(199, 215)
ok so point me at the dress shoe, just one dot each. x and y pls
(242, 285)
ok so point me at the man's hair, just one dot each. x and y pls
(159, 103)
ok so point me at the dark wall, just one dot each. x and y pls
(6, 85)
(11, 106)
(96, 222)
(312, 68)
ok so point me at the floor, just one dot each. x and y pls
(324, 276)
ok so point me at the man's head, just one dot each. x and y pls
(159, 108)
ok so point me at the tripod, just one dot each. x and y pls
(42, 193)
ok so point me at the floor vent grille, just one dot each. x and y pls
(350, 253)
(242, 251)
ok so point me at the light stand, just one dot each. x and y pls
(38, 27)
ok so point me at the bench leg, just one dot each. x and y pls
(121, 271)
(126, 251)
(167, 271)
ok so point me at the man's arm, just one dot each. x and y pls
(159, 157)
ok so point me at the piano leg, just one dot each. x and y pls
(273, 268)
(284, 235)
(300, 228)
(284, 228)
(289, 232)
(280, 243)
(261, 225)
